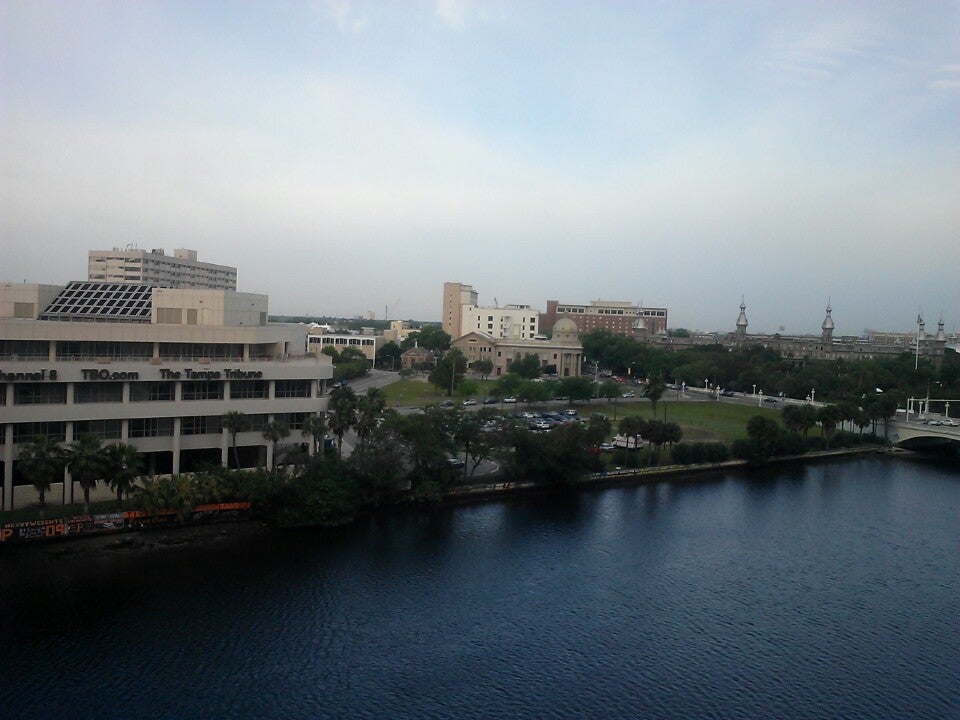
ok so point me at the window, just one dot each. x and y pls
(39, 394)
(200, 425)
(191, 316)
(294, 421)
(24, 350)
(202, 390)
(170, 316)
(97, 392)
(292, 389)
(22, 432)
(151, 391)
(103, 429)
(248, 389)
(151, 427)
(23, 310)
(257, 422)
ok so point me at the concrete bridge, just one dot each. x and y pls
(920, 434)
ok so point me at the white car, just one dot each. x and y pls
(510, 400)
(468, 403)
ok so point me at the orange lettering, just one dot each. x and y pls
(5, 534)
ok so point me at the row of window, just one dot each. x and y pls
(93, 350)
(146, 427)
(162, 391)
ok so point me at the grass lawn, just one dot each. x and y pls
(406, 393)
(701, 421)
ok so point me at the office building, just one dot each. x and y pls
(156, 268)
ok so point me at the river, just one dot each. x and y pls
(826, 590)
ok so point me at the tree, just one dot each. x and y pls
(389, 354)
(86, 463)
(655, 391)
(610, 389)
(369, 408)
(483, 368)
(449, 371)
(124, 465)
(429, 337)
(527, 367)
(316, 427)
(273, 432)
(765, 432)
(342, 414)
(576, 388)
(828, 417)
(41, 461)
(235, 422)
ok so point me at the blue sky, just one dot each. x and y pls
(346, 156)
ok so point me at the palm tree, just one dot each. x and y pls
(235, 422)
(273, 433)
(123, 467)
(41, 460)
(655, 391)
(316, 428)
(369, 408)
(343, 414)
(86, 463)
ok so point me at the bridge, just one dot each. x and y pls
(917, 434)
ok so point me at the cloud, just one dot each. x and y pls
(348, 19)
(453, 13)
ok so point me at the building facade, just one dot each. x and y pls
(619, 318)
(455, 296)
(368, 344)
(155, 267)
(518, 322)
(563, 351)
(159, 377)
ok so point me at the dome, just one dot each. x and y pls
(640, 323)
(565, 326)
(828, 320)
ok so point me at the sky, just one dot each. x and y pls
(353, 156)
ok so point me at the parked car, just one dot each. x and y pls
(509, 399)
(772, 401)
(447, 403)
(605, 447)
(628, 395)
(571, 412)
(469, 402)
(490, 401)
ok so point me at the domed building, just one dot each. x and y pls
(562, 354)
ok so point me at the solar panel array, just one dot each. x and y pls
(96, 301)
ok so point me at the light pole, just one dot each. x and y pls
(754, 389)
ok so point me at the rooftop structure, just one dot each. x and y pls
(156, 268)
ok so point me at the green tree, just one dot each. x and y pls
(389, 354)
(342, 414)
(369, 409)
(85, 460)
(429, 337)
(828, 416)
(655, 391)
(41, 461)
(576, 388)
(448, 371)
(483, 368)
(610, 389)
(765, 432)
(235, 422)
(273, 432)
(527, 367)
(315, 427)
(123, 466)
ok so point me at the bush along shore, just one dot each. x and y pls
(430, 458)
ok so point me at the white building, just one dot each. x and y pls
(153, 367)
(517, 322)
(155, 267)
(367, 343)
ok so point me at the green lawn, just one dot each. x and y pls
(406, 393)
(701, 421)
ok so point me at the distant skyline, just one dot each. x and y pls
(347, 156)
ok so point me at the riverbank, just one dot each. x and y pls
(70, 547)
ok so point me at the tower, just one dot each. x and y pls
(742, 321)
(826, 333)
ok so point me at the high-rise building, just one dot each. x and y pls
(455, 296)
(156, 268)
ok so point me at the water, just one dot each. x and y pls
(822, 591)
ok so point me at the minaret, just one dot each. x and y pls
(827, 328)
(742, 321)
(941, 335)
(921, 333)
